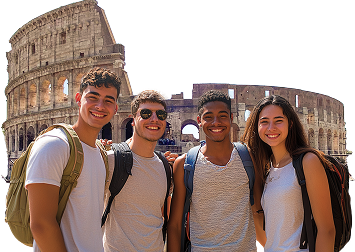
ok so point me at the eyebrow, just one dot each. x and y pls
(276, 117)
(219, 112)
(97, 94)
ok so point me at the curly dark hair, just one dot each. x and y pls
(147, 96)
(98, 77)
(213, 95)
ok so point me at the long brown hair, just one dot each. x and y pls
(296, 140)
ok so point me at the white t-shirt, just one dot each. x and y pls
(81, 221)
(135, 220)
(283, 209)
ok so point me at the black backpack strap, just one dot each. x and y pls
(123, 168)
(307, 235)
(168, 182)
(248, 166)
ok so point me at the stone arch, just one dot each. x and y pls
(127, 129)
(32, 96)
(45, 94)
(22, 99)
(21, 139)
(43, 127)
(14, 100)
(335, 142)
(311, 138)
(329, 141)
(189, 137)
(321, 140)
(30, 135)
(61, 90)
(13, 141)
(106, 131)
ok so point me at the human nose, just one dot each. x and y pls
(271, 126)
(154, 116)
(99, 104)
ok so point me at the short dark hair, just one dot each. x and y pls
(147, 96)
(99, 77)
(213, 95)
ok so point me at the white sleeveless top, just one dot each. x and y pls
(220, 213)
(283, 210)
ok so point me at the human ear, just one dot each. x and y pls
(78, 98)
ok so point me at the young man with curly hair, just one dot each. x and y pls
(79, 229)
(221, 216)
(135, 220)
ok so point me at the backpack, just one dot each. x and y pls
(189, 168)
(338, 179)
(122, 170)
(17, 213)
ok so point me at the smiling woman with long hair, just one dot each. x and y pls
(275, 135)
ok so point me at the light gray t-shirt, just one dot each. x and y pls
(220, 213)
(135, 221)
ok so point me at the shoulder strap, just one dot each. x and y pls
(248, 166)
(307, 235)
(189, 169)
(168, 182)
(73, 168)
(104, 157)
(123, 168)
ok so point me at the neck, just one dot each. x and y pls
(279, 156)
(142, 147)
(217, 149)
(87, 135)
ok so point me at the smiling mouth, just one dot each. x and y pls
(272, 136)
(97, 115)
(152, 127)
(216, 130)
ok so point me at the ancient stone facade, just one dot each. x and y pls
(49, 56)
(51, 53)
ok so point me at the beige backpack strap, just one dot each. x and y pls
(73, 168)
(104, 157)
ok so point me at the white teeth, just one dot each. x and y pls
(154, 128)
(216, 130)
(272, 136)
(97, 115)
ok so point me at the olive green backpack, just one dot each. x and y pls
(17, 214)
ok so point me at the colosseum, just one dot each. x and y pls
(50, 54)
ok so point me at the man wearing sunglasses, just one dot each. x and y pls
(135, 220)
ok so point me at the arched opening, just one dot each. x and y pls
(62, 90)
(32, 96)
(167, 138)
(311, 138)
(129, 128)
(46, 92)
(246, 114)
(13, 141)
(20, 140)
(321, 141)
(190, 133)
(329, 141)
(22, 100)
(30, 135)
(43, 127)
(106, 131)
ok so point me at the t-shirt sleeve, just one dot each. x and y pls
(48, 158)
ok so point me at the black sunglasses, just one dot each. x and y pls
(147, 113)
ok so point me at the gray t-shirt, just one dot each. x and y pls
(220, 213)
(135, 221)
